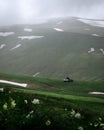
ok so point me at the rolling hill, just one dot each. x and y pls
(60, 47)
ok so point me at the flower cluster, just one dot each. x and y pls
(5, 106)
(48, 122)
(30, 114)
(75, 114)
(25, 101)
(35, 101)
(13, 104)
(98, 124)
(80, 128)
(27, 112)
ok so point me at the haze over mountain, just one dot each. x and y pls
(33, 11)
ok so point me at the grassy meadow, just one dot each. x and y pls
(50, 104)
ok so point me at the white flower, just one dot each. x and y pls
(96, 124)
(25, 101)
(5, 106)
(78, 115)
(13, 104)
(48, 122)
(31, 112)
(9, 92)
(80, 128)
(35, 101)
(100, 119)
(28, 116)
(91, 124)
(66, 109)
(1, 89)
(102, 124)
(72, 113)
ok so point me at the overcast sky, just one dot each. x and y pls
(29, 11)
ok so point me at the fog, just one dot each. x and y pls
(32, 11)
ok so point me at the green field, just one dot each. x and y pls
(61, 105)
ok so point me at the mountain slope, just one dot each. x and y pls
(63, 49)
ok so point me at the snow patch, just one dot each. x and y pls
(17, 46)
(102, 51)
(96, 93)
(95, 35)
(58, 29)
(13, 83)
(27, 30)
(2, 46)
(36, 74)
(92, 22)
(4, 34)
(91, 50)
(29, 37)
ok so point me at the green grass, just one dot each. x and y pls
(57, 85)
(57, 99)
(78, 90)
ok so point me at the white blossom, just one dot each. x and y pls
(72, 113)
(5, 106)
(35, 101)
(48, 122)
(80, 128)
(1, 89)
(13, 104)
(25, 101)
(78, 115)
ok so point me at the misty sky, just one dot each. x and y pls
(30, 11)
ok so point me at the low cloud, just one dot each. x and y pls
(29, 11)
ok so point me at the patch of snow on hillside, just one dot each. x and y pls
(60, 22)
(15, 47)
(95, 35)
(92, 22)
(96, 93)
(58, 29)
(4, 34)
(29, 37)
(2, 46)
(27, 29)
(36, 74)
(91, 50)
(102, 51)
(13, 83)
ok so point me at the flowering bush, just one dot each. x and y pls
(26, 111)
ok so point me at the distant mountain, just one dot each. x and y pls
(61, 47)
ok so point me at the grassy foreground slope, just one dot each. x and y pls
(76, 91)
(50, 104)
